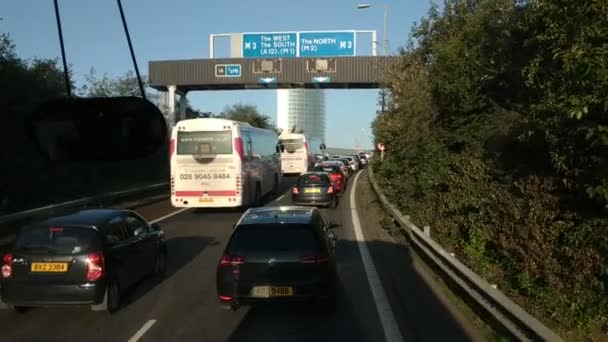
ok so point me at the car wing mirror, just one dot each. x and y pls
(155, 227)
(333, 225)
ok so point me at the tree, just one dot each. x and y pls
(125, 85)
(23, 86)
(246, 113)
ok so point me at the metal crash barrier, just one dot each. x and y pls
(511, 317)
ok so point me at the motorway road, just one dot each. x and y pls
(183, 306)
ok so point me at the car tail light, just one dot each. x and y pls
(238, 146)
(225, 298)
(330, 190)
(228, 260)
(314, 259)
(7, 265)
(96, 266)
(295, 191)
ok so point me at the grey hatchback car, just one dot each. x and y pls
(315, 188)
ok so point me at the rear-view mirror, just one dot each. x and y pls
(98, 129)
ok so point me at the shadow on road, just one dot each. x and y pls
(304, 322)
(181, 251)
(419, 314)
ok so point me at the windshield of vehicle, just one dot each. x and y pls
(57, 240)
(292, 145)
(271, 238)
(314, 179)
(211, 142)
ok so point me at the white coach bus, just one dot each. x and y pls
(222, 163)
(298, 152)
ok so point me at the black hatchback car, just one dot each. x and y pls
(87, 258)
(315, 188)
(279, 254)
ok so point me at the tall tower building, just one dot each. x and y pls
(302, 108)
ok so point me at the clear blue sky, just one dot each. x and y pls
(179, 29)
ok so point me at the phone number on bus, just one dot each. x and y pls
(189, 176)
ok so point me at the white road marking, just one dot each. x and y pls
(387, 318)
(280, 198)
(142, 330)
(162, 218)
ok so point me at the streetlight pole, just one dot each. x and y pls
(384, 38)
(386, 50)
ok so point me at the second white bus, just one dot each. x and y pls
(298, 152)
(222, 163)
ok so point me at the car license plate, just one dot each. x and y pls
(205, 200)
(312, 191)
(49, 267)
(272, 291)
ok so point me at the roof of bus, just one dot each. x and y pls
(226, 121)
(218, 120)
(298, 135)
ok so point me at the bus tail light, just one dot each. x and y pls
(171, 147)
(238, 146)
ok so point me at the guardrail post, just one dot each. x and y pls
(427, 230)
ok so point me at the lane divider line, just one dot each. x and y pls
(387, 318)
(162, 218)
(142, 330)
(280, 198)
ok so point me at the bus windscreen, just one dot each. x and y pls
(207, 142)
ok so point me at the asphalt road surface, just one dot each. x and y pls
(381, 297)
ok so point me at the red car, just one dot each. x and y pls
(335, 174)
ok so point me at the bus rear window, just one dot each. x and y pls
(192, 143)
(292, 145)
(57, 240)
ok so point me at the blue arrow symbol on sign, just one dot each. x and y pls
(267, 80)
(321, 79)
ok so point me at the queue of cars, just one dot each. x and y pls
(93, 256)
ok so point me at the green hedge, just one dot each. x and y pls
(497, 137)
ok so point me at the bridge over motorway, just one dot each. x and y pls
(179, 77)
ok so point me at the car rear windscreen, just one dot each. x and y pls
(57, 240)
(313, 179)
(206, 142)
(326, 168)
(274, 239)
